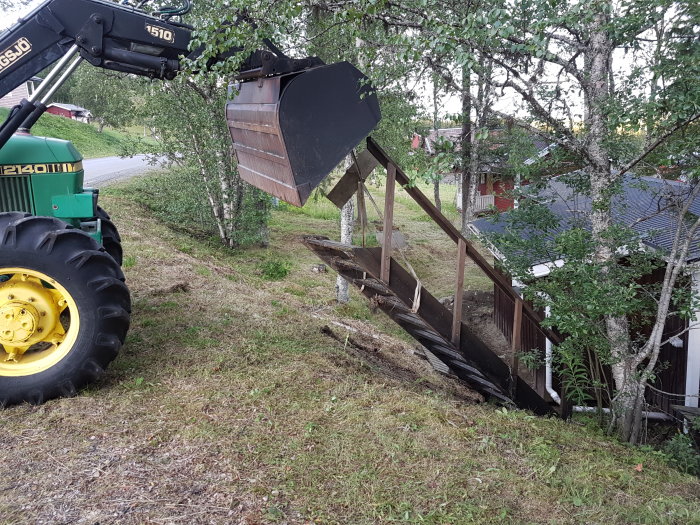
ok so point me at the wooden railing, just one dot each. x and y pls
(522, 310)
(483, 202)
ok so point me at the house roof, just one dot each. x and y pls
(454, 135)
(69, 107)
(643, 204)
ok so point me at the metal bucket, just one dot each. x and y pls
(291, 131)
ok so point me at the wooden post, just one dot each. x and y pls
(459, 292)
(388, 221)
(362, 211)
(516, 341)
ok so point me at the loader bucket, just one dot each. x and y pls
(291, 131)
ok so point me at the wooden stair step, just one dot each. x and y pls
(437, 363)
(411, 319)
(374, 284)
(431, 335)
(347, 264)
(464, 366)
(327, 244)
(394, 303)
(442, 349)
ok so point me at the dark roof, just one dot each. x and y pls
(454, 135)
(642, 204)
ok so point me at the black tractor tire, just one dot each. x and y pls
(94, 284)
(110, 237)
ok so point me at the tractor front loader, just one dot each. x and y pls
(64, 304)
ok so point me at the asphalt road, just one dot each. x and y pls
(103, 171)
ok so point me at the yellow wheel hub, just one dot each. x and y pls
(38, 322)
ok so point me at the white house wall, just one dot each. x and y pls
(692, 372)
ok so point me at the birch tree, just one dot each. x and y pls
(558, 59)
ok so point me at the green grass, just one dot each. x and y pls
(84, 137)
(228, 404)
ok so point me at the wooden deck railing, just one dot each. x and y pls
(522, 310)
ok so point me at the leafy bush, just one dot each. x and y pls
(178, 198)
(680, 452)
(275, 269)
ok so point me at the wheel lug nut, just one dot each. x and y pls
(10, 297)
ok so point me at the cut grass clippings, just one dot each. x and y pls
(230, 403)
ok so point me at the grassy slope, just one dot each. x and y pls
(85, 137)
(228, 405)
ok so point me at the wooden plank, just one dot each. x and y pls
(388, 221)
(362, 211)
(515, 343)
(347, 185)
(447, 226)
(403, 285)
(459, 292)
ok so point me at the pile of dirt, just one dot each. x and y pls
(477, 314)
(393, 360)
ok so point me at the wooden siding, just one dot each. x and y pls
(55, 110)
(15, 96)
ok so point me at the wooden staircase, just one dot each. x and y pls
(392, 288)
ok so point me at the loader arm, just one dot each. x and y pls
(290, 129)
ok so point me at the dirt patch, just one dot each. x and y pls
(477, 314)
(400, 363)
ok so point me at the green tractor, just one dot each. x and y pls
(64, 305)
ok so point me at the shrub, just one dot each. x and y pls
(275, 269)
(681, 453)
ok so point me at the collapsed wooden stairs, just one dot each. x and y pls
(392, 288)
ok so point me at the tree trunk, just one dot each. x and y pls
(436, 194)
(466, 145)
(629, 388)
(436, 182)
(468, 211)
(347, 214)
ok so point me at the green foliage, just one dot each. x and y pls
(681, 452)
(178, 198)
(84, 137)
(109, 96)
(275, 269)
(129, 261)
(188, 117)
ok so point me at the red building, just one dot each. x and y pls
(70, 111)
(495, 190)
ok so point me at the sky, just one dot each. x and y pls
(507, 102)
(10, 17)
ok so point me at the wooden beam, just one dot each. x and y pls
(362, 211)
(459, 293)
(357, 172)
(424, 202)
(388, 221)
(516, 341)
